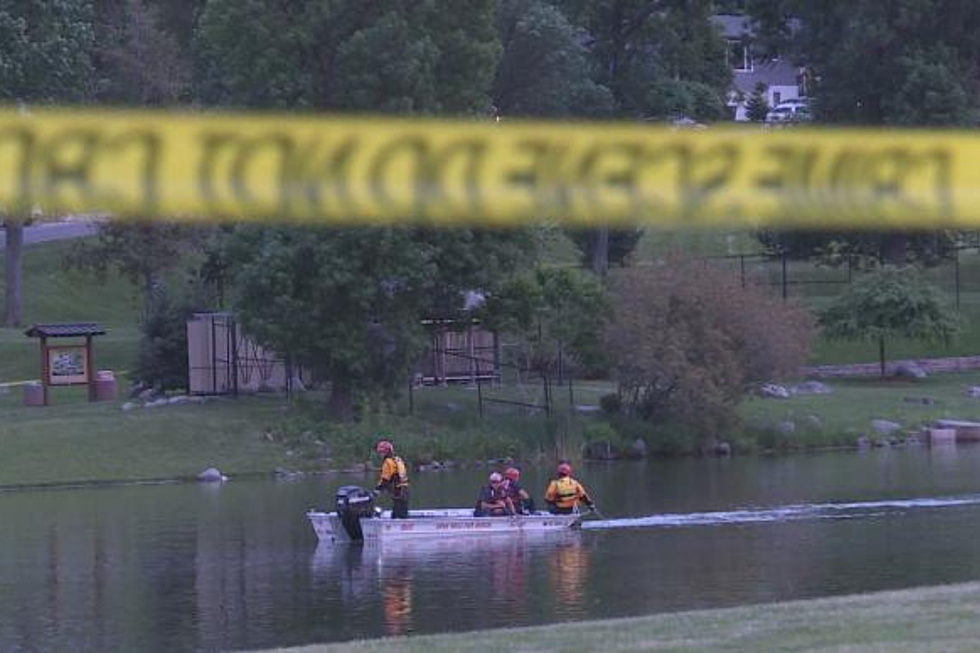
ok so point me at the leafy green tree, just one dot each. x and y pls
(622, 242)
(757, 107)
(658, 58)
(138, 62)
(544, 69)
(555, 313)
(142, 252)
(348, 303)
(925, 54)
(890, 303)
(45, 57)
(396, 57)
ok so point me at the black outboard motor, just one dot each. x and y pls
(353, 504)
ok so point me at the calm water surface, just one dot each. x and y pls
(237, 566)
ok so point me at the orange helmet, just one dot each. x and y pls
(385, 448)
(564, 469)
(513, 474)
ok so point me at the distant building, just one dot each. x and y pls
(783, 80)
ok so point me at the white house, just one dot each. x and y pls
(783, 81)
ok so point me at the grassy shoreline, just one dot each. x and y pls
(941, 618)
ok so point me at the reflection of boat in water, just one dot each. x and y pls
(356, 519)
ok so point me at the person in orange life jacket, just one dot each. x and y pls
(393, 480)
(523, 503)
(564, 494)
(493, 501)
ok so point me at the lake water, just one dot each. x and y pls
(165, 567)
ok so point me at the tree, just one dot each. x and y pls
(349, 303)
(688, 341)
(45, 57)
(926, 62)
(391, 57)
(757, 108)
(138, 62)
(544, 70)
(143, 252)
(621, 243)
(660, 59)
(555, 313)
(890, 303)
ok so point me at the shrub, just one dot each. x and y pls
(688, 340)
(161, 360)
(611, 404)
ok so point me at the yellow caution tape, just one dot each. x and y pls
(344, 170)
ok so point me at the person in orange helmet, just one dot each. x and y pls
(565, 494)
(393, 479)
(523, 502)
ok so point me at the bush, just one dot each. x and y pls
(688, 340)
(611, 404)
(161, 360)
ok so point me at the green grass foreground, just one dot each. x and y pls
(927, 619)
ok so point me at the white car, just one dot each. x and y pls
(790, 111)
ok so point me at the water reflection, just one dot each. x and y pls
(238, 567)
(491, 579)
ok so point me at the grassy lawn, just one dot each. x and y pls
(854, 403)
(52, 294)
(925, 619)
(74, 442)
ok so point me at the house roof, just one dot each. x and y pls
(64, 330)
(777, 72)
(732, 27)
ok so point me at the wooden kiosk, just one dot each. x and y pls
(70, 364)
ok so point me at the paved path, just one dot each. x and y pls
(45, 231)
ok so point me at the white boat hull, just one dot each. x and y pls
(448, 523)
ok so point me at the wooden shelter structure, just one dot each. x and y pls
(222, 360)
(69, 364)
(459, 352)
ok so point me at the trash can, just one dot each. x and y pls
(105, 386)
(33, 394)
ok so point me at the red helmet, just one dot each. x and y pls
(513, 474)
(564, 469)
(385, 448)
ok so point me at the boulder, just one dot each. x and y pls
(811, 388)
(786, 427)
(884, 426)
(813, 423)
(723, 449)
(640, 447)
(179, 399)
(909, 370)
(211, 475)
(773, 391)
(128, 406)
(147, 394)
(863, 442)
(973, 391)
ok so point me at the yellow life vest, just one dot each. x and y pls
(565, 492)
